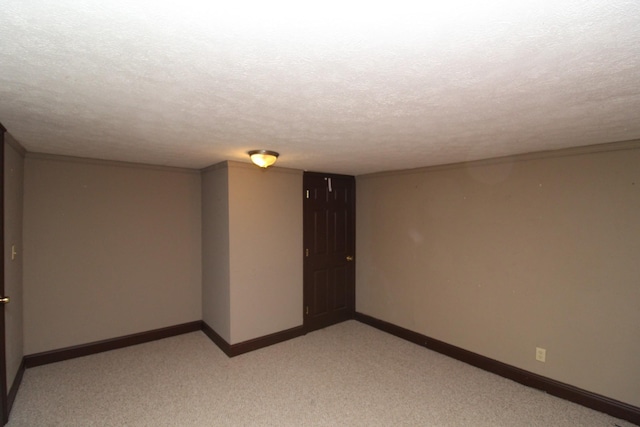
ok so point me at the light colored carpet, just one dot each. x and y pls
(347, 375)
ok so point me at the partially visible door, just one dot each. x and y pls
(329, 245)
(4, 410)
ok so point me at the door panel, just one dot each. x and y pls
(329, 241)
(4, 410)
(13, 189)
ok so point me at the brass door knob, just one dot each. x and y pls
(349, 258)
(4, 300)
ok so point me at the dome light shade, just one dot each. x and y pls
(263, 158)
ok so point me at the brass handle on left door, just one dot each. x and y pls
(349, 258)
(4, 300)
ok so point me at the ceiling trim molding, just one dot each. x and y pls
(215, 166)
(271, 169)
(547, 154)
(100, 162)
(10, 140)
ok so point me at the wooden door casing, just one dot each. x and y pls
(4, 407)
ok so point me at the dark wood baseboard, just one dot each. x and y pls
(310, 326)
(111, 344)
(265, 341)
(59, 355)
(217, 339)
(13, 391)
(232, 350)
(574, 394)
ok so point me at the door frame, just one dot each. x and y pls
(351, 296)
(4, 402)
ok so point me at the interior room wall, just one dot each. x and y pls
(216, 300)
(13, 191)
(110, 249)
(265, 228)
(500, 257)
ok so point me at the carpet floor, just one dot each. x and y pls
(349, 374)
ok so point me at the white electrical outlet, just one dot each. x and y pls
(541, 354)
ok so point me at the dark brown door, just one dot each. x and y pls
(4, 410)
(329, 245)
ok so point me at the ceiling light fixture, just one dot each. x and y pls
(263, 158)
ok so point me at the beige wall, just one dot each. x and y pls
(251, 250)
(501, 258)
(265, 228)
(13, 190)
(109, 249)
(216, 300)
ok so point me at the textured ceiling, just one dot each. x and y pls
(348, 87)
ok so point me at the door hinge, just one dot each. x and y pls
(306, 252)
(306, 311)
(307, 194)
